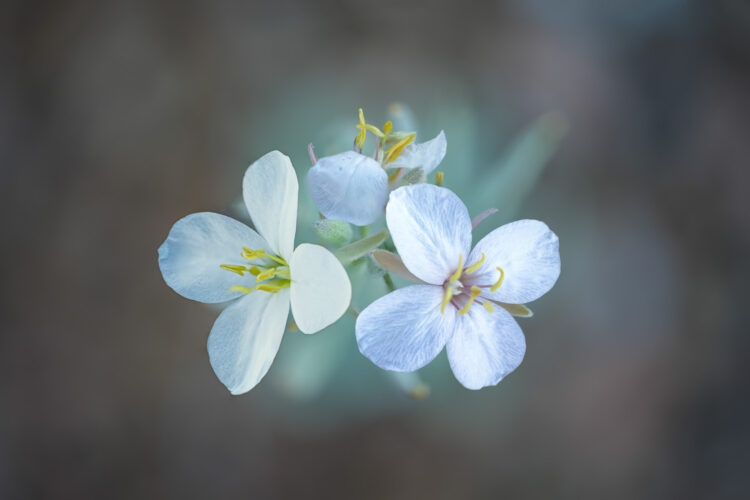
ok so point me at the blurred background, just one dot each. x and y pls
(117, 119)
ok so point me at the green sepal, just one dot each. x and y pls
(360, 248)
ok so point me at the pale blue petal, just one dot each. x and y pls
(245, 339)
(404, 330)
(270, 189)
(427, 155)
(197, 245)
(527, 252)
(431, 229)
(350, 187)
(485, 347)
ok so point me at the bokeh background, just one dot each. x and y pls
(118, 118)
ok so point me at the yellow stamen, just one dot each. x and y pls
(254, 271)
(363, 127)
(475, 291)
(396, 149)
(475, 266)
(271, 287)
(439, 176)
(394, 175)
(459, 270)
(446, 298)
(238, 288)
(266, 275)
(250, 254)
(388, 127)
(234, 268)
(488, 306)
(499, 281)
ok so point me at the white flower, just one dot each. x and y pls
(212, 258)
(462, 301)
(353, 187)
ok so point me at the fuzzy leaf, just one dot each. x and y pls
(360, 248)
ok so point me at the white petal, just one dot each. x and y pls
(527, 252)
(404, 330)
(245, 339)
(270, 192)
(350, 187)
(427, 155)
(485, 347)
(197, 245)
(431, 228)
(320, 289)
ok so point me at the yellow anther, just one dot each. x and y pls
(273, 287)
(388, 127)
(396, 149)
(254, 271)
(439, 176)
(363, 127)
(234, 268)
(475, 291)
(475, 266)
(266, 275)
(459, 269)
(250, 254)
(499, 281)
(394, 175)
(488, 306)
(238, 288)
(447, 296)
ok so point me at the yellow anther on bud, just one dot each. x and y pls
(397, 148)
(234, 268)
(447, 296)
(499, 281)
(459, 269)
(475, 291)
(439, 176)
(488, 307)
(363, 127)
(238, 288)
(475, 266)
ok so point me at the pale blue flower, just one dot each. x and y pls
(352, 187)
(465, 297)
(212, 258)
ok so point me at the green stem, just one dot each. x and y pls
(353, 311)
(389, 282)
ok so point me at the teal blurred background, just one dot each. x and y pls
(623, 125)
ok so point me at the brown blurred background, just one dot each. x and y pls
(118, 118)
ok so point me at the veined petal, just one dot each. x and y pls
(245, 339)
(427, 155)
(404, 330)
(527, 252)
(485, 347)
(320, 288)
(431, 228)
(349, 186)
(270, 192)
(197, 245)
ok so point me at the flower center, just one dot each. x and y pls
(269, 279)
(458, 290)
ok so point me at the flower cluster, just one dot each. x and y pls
(463, 299)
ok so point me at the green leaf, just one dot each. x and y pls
(354, 251)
